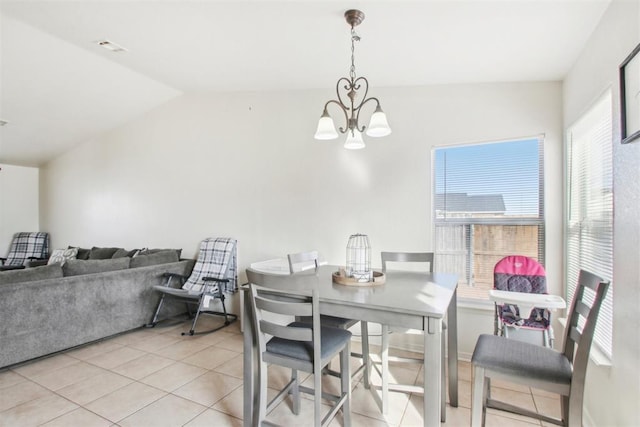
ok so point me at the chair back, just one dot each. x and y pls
(27, 245)
(292, 295)
(581, 321)
(217, 258)
(519, 273)
(424, 257)
(302, 261)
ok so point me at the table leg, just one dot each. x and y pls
(249, 368)
(452, 335)
(432, 371)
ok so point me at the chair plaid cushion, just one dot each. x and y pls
(26, 245)
(217, 258)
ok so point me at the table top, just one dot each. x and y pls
(409, 293)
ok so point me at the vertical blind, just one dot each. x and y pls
(488, 203)
(589, 226)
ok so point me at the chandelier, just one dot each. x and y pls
(350, 88)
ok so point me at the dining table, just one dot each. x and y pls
(406, 299)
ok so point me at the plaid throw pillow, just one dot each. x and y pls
(217, 258)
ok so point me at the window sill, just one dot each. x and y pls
(597, 356)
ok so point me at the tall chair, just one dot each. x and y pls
(26, 246)
(214, 273)
(542, 367)
(405, 257)
(299, 346)
(302, 261)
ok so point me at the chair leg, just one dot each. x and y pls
(366, 359)
(384, 356)
(295, 392)
(478, 402)
(345, 381)
(263, 398)
(154, 321)
(317, 398)
(443, 383)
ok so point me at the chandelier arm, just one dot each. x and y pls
(344, 110)
(366, 101)
(348, 86)
(357, 87)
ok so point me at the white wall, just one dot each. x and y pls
(19, 203)
(246, 165)
(613, 393)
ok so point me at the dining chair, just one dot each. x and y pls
(562, 372)
(385, 358)
(302, 261)
(299, 346)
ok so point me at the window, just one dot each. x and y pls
(589, 222)
(488, 203)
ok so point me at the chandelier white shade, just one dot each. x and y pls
(348, 89)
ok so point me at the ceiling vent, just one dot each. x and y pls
(109, 45)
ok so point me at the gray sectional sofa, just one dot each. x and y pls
(51, 308)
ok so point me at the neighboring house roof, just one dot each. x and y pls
(462, 202)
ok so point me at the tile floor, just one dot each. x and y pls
(156, 377)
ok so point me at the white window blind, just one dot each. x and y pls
(488, 203)
(589, 226)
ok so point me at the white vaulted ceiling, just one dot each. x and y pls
(58, 88)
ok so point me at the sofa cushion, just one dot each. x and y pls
(120, 253)
(102, 253)
(60, 256)
(53, 271)
(76, 267)
(161, 257)
(82, 252)
(147, 251)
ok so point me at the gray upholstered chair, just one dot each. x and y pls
(541, 367)
(214, 273)
(299, 346)
(385, 358)
(302, 261)
(26, 247)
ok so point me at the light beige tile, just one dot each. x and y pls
(37, 411)
(21, 393)
(211, 357)
(10, 378)
(79, 417)
(282, 414)
(173, 376)
(278, 376)
(125, 401)
(549, 406)
(48, 364)
(143, 366)
(362, 402)
(182, 349)
(233, 343)
(464, 370)
(523, 400)
(498, 420)
(207, 389)
(116, 357)
(92, 388)
(214, 337)
(169, 411)
(154, 343)
(509, 386)
(92, 350)
(459, 416)
(233, 367)
(358, 420)
(133, 337)
(211, 417)
(232, 403)
(68, 375)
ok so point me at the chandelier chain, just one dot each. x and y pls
(354, 38)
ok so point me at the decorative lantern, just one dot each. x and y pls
(359, 258)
